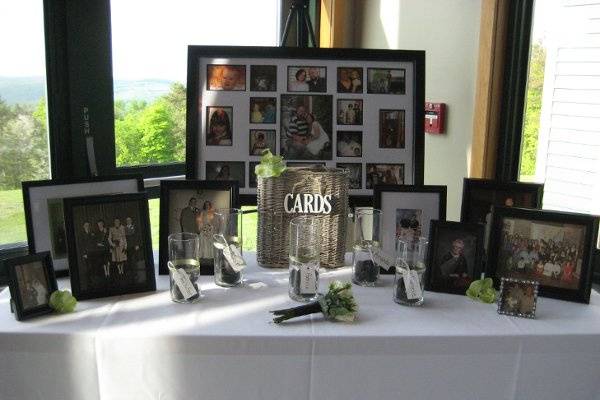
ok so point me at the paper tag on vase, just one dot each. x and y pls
(183, 282)
(412, 285)
(308, 279)
(381, 258)
(234, 258)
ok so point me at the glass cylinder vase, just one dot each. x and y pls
(305, 249)
(367, 237)
(228, 247)
(411, 259)
(184, 267)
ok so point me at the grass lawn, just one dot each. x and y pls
(12, 220)
(12, 217)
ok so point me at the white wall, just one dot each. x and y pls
(448, 30)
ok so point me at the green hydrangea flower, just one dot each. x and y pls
(62, 301)
(482, 290)
(270, 165)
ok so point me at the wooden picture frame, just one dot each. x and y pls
(110, 258)
(42, 201)
(224, 192)
(455, 257)
(406, 94)
(554, 248)
(31, 299)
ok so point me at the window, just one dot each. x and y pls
(24, 151)
(150, 66)
(561, 128)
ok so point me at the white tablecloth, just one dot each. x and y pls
(146, 347)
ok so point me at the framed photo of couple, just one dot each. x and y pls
(345, 108)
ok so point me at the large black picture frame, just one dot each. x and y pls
(284, 57)
(589, 223)
(21, 313)
(143, 227)
(166, 186)
(72, 188)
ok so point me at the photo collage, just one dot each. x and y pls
(309, 113)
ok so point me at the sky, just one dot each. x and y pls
(150, 37)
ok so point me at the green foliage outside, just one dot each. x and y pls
(533, 108)
(151, 133)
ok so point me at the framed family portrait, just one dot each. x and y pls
(356, 107)
(110, 248)
(518, 297)
(408, 211)
(31, 282)
(481, 195)
(44, 215)
(455, 257)
(190, 206)
(554, 248)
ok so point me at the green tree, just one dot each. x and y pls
(533, 108)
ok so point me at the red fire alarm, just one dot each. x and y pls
(435, 118)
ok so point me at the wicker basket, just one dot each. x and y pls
(273, 220)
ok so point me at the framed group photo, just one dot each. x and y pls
(408, 211)
(554, 248)
(44, 214)
(190, 206)
(455, 256)
(110, 248)
(354, 107)
(31, 282)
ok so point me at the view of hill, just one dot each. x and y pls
(28, 90)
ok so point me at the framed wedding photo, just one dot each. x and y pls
(518, 297)
(554, 248)
(455, 256)
(190, 206)
(110, 248)
(308, 105)
(31, 282)
(408, 211)
(44, 216)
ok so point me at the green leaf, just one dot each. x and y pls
(62, 301)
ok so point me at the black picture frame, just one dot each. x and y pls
(110, 286)
(495, 258)
(504, 306)
(531, 195)
(474, 232)
(74, 187)
(166, 187)
(412, 157)
(407, 196)
(17, 302)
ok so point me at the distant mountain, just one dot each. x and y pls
(26, 90)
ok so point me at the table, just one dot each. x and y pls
(144, 346)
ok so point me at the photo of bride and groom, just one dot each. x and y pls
(306, 124)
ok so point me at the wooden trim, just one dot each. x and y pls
(488, 93)
(333, 23)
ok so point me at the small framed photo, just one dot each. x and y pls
(219, 131)
(384, 174)
(386, 80)
(44, 214)
(349, 143)
(306, 127)
(391, 129)
(261, 140)
(31, 282)
(226, 77)
(518, 297)
(252, 178)
(349, 80)
(408, 211)
(263, 110)
(226, 171)
(455, 256)
(349, 112)
(307, 79)
(554, 248)
(481, 195)
(355, 171)
(263, 78)
(189, 206)
(110, 248)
